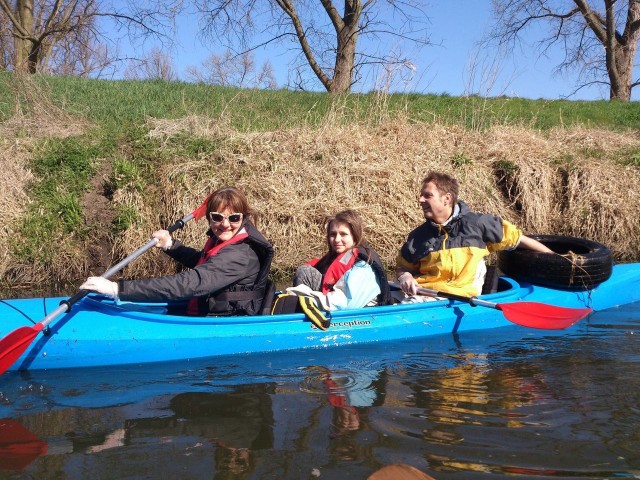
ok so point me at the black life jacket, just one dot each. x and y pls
(235, 301)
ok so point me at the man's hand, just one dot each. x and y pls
(408, 283)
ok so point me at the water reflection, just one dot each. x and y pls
(18, 446)
(234, 426)
(349, 395)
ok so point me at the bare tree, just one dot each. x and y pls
(6, 44)
(601, 42)
(79, 59)
(328, 39)
(79, 53)
(157, 65)
(45, 31)
(231, 70)
(266, 78)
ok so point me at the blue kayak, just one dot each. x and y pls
(97, 332)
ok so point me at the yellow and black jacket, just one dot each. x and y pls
(450, 257)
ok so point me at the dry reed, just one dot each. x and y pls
(297, 177)
(545, 182)
(13, 195)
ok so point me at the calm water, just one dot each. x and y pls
(509, 403)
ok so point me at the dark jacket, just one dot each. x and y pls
(369, 255)
(229, 283)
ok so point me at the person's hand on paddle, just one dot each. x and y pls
(165, 242)
(101, 285)
(408, 283)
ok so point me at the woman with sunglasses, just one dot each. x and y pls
(349, 275)
(227, 277)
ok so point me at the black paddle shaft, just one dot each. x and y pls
(473, 301)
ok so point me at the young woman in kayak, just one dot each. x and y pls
(349, 275)
(227, 277)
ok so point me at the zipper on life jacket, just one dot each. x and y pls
(446, 236)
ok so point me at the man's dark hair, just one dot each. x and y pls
(444, 183)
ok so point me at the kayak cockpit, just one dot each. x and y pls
(171, 312)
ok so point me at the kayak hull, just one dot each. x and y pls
(97, 332)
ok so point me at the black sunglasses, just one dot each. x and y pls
(219, 217)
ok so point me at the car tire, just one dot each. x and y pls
(576, 264)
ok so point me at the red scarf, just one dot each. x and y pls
(210, 249)
(339, 266)
(338, 396)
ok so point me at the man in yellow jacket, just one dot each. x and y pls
(447, 252)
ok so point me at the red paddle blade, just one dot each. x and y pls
(541, 315)
(14, 345)
(18, 446)
(201, 211)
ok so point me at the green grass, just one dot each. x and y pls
(116, 105)
(63, 168)
(630, 157)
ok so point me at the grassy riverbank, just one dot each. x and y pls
(92, 167)
(114, 105)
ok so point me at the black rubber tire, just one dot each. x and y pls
(587, 264)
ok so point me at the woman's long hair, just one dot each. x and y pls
(352, 219)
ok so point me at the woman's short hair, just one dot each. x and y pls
(232, 199)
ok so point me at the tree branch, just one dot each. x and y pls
(14, 21)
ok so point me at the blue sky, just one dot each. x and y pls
(455, 28)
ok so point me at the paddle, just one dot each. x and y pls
(526, 314)
(18, 446)
(16, 342)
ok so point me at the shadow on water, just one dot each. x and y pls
(504, 403)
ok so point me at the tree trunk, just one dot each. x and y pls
(620, 77)
(23, 44)
(345, 59)
(347, 38)
(621, 52)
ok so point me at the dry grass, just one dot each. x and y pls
(547, 183)
(69, 262)
(35, 118)
(13, 196)
(297, 177)
(603, 205)
(35, 114)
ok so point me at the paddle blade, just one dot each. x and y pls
(14, 345)
(541, 315)
(201, 211)
(18, 446)
(399, 471)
